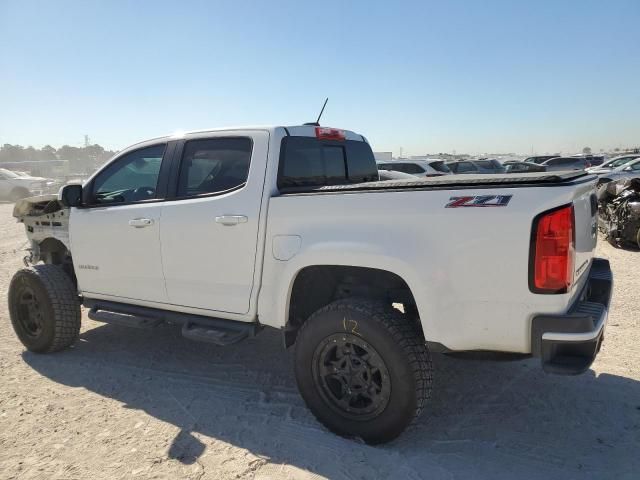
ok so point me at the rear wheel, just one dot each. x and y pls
(363, 369)
(44, 308)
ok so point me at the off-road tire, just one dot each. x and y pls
(57, 307)
(395, 340)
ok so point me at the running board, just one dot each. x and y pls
(194, 327)
(123, 319)
(218, 336)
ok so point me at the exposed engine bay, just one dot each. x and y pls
(619, 212)
(46, 223)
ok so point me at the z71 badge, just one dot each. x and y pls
(479, 201)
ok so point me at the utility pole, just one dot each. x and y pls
(86, 140)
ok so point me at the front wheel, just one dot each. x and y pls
(363, 369)
(44, 308)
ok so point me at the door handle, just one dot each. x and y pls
(140, 222)
(230, 220)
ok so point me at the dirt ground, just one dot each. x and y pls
(127, 403)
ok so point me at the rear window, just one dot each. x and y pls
(538, 159)
(439, 166)
(307, 161)
(462, 167)
(490, 164)
(561, 161)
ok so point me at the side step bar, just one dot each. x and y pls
(124, 319)
(219, 336)
(218, 331)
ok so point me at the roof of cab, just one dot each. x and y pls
(293, 130)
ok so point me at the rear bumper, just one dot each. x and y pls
(568, 343)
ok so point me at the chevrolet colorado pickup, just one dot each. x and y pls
(228, 231)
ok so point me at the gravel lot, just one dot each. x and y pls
(127, 403)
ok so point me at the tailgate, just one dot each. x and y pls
(585, 206)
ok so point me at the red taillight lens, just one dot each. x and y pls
(324, 133)
(553, 251)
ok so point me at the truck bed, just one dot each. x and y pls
(468, 268)
(448, 182)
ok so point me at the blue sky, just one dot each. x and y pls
(472, 76)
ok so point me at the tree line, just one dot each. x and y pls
(89, 155)
(82, 160)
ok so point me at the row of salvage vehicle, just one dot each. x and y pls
(621, 166)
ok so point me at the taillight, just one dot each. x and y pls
(552, 251)
(325, 133)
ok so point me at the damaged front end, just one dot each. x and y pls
(46, 224)
(619, 212)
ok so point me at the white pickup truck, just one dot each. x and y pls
(14, 187)
(228, 231)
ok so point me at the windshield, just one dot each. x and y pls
(619, 162)
(9, 173)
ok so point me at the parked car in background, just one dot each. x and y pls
(558, 164)
(540, 158)
(523, 167)
(15, 187)
(613, 163)
(420, 168)
(393, 175)
(593, 160)
(625, 171)
(485, 165)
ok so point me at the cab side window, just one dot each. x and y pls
(131, 178)
(214, 165)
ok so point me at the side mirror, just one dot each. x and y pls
(628, 169)
(71, 195)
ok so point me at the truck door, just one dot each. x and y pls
(209, 233)
(115, 235)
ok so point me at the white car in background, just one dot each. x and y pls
(430, 167)
(625, 171)
(393, 175)
(613, 164)
(15, 187)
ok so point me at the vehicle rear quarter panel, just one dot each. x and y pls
(466, 267)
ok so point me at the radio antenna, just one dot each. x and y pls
(317, 122)
(322, 111)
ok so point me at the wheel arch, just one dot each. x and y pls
(53, 251)
(314, 286)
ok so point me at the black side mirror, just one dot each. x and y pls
(71, 195)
